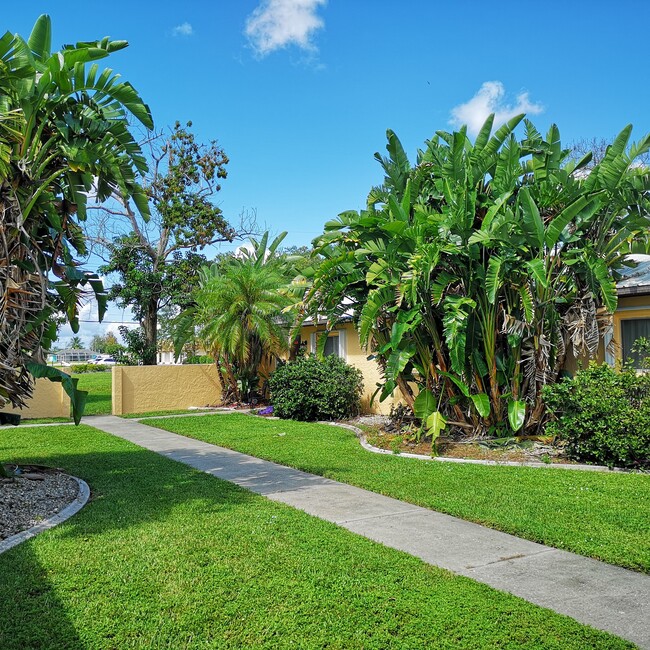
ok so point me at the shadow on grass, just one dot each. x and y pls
(132, 487)
(31, 613)
(97, 564)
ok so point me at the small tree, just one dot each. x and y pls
(157, 263)
(136, 348)
(103, 344)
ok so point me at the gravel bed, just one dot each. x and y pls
(371, 420)
(25, 502)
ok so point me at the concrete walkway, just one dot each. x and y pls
(594, 593)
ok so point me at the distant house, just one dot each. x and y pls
(72, 355)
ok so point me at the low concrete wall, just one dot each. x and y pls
(48, 401)
(140, 389)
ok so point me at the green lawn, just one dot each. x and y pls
(153, 414)
(597, 514)
(168, 557)
(98, 385)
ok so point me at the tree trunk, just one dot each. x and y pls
(150, 327)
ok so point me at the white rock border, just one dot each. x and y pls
(67, 512)
(473, 461)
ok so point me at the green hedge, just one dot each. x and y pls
(311, 389)
(603, 416)
(199, 359)
(88, 367)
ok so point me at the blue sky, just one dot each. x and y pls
(300, 93)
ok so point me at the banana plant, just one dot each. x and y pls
(64, 135)
(473, 274)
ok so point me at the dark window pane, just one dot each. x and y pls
(332, 346)
(631, 330)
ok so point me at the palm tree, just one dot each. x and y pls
(238, 315)
(63, 136)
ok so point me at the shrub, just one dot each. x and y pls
(311, 389)
(603, 415)
(201, 359)
(88, 367)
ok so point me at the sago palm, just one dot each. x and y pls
(239, 315)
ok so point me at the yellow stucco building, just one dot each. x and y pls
(632, 316)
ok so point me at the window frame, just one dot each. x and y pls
(341, 334)
(621, 326)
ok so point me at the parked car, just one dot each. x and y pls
(104, 359)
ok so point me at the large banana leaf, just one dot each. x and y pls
(77, 397)
(584, 204)
(516, 414)
(455, 320)
(532, 221)
(482, 404)
(425, 404)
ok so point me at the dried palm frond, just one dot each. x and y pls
(581, 324)
(22, 300)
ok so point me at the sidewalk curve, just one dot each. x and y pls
(594, 593)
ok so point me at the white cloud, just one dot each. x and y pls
(275, 24)
(491, 99)
(184, 29)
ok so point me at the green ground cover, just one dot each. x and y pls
(597, 514)
(168, 557)
(98, 385)
(154, 414)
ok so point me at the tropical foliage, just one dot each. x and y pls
(64, 136)
(237, 315)
(603, 416)
(475, 273)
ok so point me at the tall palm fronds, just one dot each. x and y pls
(238, 315)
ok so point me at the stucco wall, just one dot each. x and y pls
(49, 401)
(357, 357)
(139, 389)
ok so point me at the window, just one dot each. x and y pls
(631, 330)
(335, 343)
